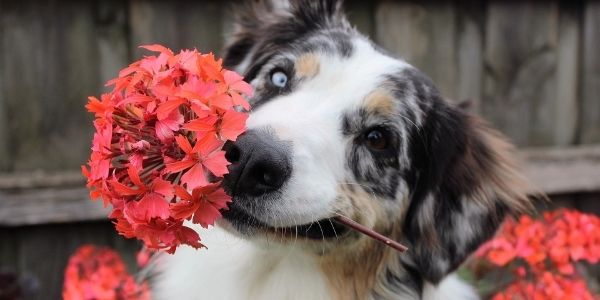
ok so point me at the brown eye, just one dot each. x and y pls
(376, 139)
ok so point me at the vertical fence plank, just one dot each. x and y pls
(8, 250)
(424, 35)
(5, 159)
(470, 51)
(566, 100)
(112, 38)
(152, 22)
(520, 67)
(177, 25)
(590, 109)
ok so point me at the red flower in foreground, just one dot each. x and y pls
(99, 273)
(542, 252)
(157, 153)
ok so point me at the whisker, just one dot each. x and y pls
(323, 238)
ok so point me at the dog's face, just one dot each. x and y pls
(331, 120)
(339, 127)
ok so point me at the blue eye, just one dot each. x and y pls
(279, 79)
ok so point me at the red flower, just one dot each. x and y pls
(161, 130)
(203, 156)
(99, 273)
(204, 204)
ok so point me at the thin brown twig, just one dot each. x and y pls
(370, 232)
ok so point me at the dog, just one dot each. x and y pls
(340, 127)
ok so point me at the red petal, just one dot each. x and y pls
(94, 105)
(135, 178)
(136, 98)
(153, 205)
(184, 209)
(216, 163)
(179, 166)
(194, 177)
(184, 144)
(206, 215)
(222, 101)
(199, 108)
(164, 109)
(136, 160)
(182, 193)
(207, 144)
(85, 172)
(204, 125)
(157, 48)
(237, 83)
(219, 199)
(173, 121)
(232, 125)
(124, 228)
(163, 132)
(189, 237)
(122, 189)
(163, 187)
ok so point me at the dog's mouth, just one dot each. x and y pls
(319, 229)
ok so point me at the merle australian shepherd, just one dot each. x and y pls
(339, 126)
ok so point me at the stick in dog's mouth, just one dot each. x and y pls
(369, 232)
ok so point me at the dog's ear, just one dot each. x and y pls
(464, 182)
(261, 25)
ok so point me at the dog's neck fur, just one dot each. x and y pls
(234, 268)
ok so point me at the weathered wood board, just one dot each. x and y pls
(520, 68)
(177, 25)
(423, 33)
(590, 74)
(50, 63)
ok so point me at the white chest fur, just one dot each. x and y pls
(236, 269)
(233, 268)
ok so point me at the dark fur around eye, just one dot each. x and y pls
(267, 90)
(377, 139)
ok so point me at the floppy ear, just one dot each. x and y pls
(266, 24)
(464, 182)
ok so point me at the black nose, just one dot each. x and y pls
(259, 164)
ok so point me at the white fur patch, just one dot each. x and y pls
(451, 288)
(237, 269)
(233, 268)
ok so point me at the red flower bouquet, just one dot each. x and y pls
(157, 153)
(542, 253)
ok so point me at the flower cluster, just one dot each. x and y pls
(546, 286)
(541, 253)
(157, 153)
(99, 273)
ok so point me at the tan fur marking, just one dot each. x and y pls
(357, 269)
(307, 65)
(380, 101)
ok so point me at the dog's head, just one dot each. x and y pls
(340, 127)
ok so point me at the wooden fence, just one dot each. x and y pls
(530, 67)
